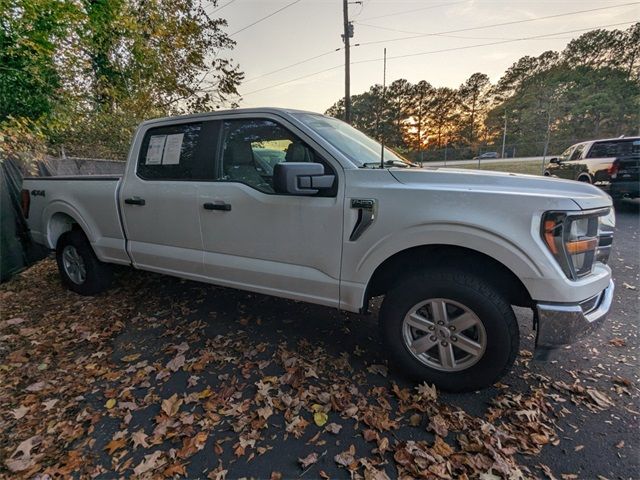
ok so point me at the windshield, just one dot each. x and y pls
(362, 150)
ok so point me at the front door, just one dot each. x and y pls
(258, 240)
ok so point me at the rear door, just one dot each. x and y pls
(259, 240)
(159, 197)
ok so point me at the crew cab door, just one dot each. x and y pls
(257, 239)
(574, 164)
(159, 197)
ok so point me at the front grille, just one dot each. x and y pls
(605, 241)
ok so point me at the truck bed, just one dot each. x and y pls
(93, 198)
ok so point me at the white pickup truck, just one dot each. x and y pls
(303, 206)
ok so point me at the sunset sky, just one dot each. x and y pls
(313, 27)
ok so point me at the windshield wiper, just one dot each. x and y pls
(388, 163)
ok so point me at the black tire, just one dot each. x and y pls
(98, 275)
(480, 297)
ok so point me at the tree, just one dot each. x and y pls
(30, 33)
(474, 99)
(102, 66)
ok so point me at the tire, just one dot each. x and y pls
(80, 270)
(584, 179)
(496, 328)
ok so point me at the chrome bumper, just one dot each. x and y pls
(561, 324)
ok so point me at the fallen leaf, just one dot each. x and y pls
(114, 445)
(308, 460)
(139, 438)
(176, 363)
(21, 458)
(131, 358)
(19, 412)
(153, 461)
(333, 428)
(110, 403)
(171, 405)
(320, 418)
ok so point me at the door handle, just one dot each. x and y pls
(225, 207)
(134, 201)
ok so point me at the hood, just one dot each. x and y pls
(584, 195)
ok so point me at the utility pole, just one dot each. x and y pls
(504, 132)
(348, 33)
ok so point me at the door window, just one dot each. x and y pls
(577, 153)
(175, 152)
(252, 148)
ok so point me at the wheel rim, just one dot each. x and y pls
(445, 335)
(74, 265)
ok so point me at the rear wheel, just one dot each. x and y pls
(451, 328)
(80, 269)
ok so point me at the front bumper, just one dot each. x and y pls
(562, 324)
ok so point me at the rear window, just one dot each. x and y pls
(615, 148)
(171, 153)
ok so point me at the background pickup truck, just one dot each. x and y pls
(302, 206)
(612, 164)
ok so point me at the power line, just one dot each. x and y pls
(415, 10)
(265, 17)
(497, 43)
(293, 80)
(221, 7)
(438, 51)
(440, 34)
(294, 64)
(513, 22)
(435, 34)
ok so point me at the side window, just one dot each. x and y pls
(566, 154)
(577, 153)
(614, 148)
(173, 152)
(251, 149)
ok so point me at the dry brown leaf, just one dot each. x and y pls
(151, 462)
(171, 405)
(308, 460)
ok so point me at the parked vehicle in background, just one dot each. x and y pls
(333, 223)
(612, 164)
(487, 155)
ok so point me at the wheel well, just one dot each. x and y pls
(59, 224)
(406, 262)
(584, 177)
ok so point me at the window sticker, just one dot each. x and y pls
(155, 149)
(172, 148)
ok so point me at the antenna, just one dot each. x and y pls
(384, 89)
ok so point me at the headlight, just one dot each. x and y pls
(573, 239)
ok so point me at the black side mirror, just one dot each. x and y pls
(554, 160)
(300, 178)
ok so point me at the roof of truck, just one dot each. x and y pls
(275, 110)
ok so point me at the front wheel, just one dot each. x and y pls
(80, 269)
(450, 328)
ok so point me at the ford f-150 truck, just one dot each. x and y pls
(612, 164)
(336, 221)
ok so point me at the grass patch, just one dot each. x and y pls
(531, 168)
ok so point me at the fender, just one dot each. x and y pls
(62, 206)
(512, 256)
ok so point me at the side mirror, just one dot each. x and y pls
(300, 178)
(554, 160)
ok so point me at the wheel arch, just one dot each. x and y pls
(62, 218)
(413, 259)
(585, 177)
